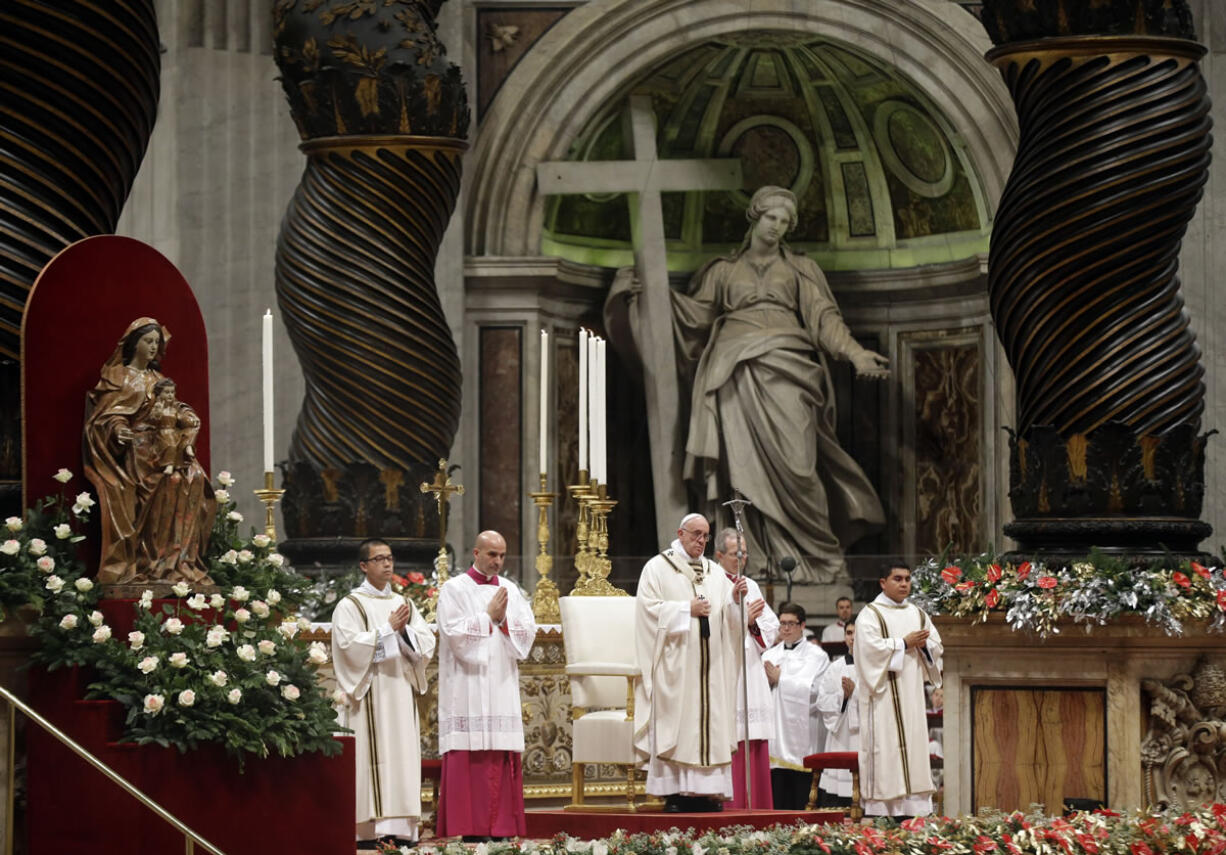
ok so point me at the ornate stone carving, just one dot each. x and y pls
(1183, 753)
(1023, 20)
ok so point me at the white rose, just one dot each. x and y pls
(228, 557)
(330, 597)
(54, 584)
(218, 678)
(303, 623)
(288, 628)
(241, 615)
(276, 559)
(181, 589)
(246, 652)
(84, 500)
(272, 678)
(290, 692)
(37, 546)
(13, 523)
(240, 594)
(261, 540)
(216, 635)
(245, 556)
(84, 585)
(148, 665)
(260, 608)
(101, 634)
(186, 698)
(178, 660)
(274, 597)
(339, 697)
(45, 564)
(136, 640)
(222, 496)
(173, 625)
(62, 475)
(95, 617)
(10, 547)
(63, 531)
(268, 648)
(217, 601)
(234, 696)
(68, 622)
(146, 599)
(234, 516)
(154, 704)
(318, 654)
(197, 602)
(225, 479)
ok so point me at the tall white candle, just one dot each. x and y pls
(602, 383)
(593, 409)
(544, 432)
(268, 409)
(582, 398)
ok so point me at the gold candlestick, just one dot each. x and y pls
(545, 599)
(581, 493)
(270, 495)
(442, 488)
(596, 582)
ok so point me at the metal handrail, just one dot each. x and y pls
(190, 838)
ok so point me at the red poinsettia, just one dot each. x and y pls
(1047, 582)
(1023, 570)
(992, 598)
(951, 575)
(417, 578)
(994, 573)
(1181, 580)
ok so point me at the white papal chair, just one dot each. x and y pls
(603, 669)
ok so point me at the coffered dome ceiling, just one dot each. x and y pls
(883, 180)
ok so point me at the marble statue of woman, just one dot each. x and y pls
(157, 505)
(755, 332)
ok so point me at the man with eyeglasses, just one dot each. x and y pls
(687, 632)
(485, 628)
(793, 668)
(380, 647)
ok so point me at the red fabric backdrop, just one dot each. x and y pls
(80, 305)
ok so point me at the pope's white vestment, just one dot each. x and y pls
(684, 713)
(895, 773)
(797, 727)
(380, 672)
(841, 718)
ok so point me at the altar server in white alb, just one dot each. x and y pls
(687, 631)
(763, 628)
(380, 647)
(485, 628)
(836, 700)
(897, 649)
(793, 668)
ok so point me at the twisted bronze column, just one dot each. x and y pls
(78, 97)
(382, 115)
(1113, 157)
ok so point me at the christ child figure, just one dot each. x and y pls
(176, 427)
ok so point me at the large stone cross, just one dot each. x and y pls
(647, 176)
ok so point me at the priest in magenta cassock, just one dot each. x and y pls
(897, 649)
(380, 647)
(485, 628)
(763, 629)
(687, 633)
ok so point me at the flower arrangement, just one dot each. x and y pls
(1102, 832)
(1037, 597)
(321, 598)
(227, 668)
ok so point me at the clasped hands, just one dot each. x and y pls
(701, 607)
(399, 619)
(916, 640)
(497, 609)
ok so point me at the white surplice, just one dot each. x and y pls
(833, 634)
(381, 672)
(895, 773)
(761, 703)
(478, 666)
(798, 730)
(684, 712)
(841, 718)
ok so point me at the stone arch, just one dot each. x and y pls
(601, 48)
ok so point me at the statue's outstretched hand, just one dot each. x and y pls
(870, 365)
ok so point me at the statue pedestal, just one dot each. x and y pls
(1049, 720)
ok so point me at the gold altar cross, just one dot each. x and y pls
(442, 488)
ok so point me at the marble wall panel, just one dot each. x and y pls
(504, 34)
(500, 415)
(566, 376)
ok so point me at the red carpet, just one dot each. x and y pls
(547, 823)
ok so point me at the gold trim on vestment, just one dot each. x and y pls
(898, 723)
(370, 712)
